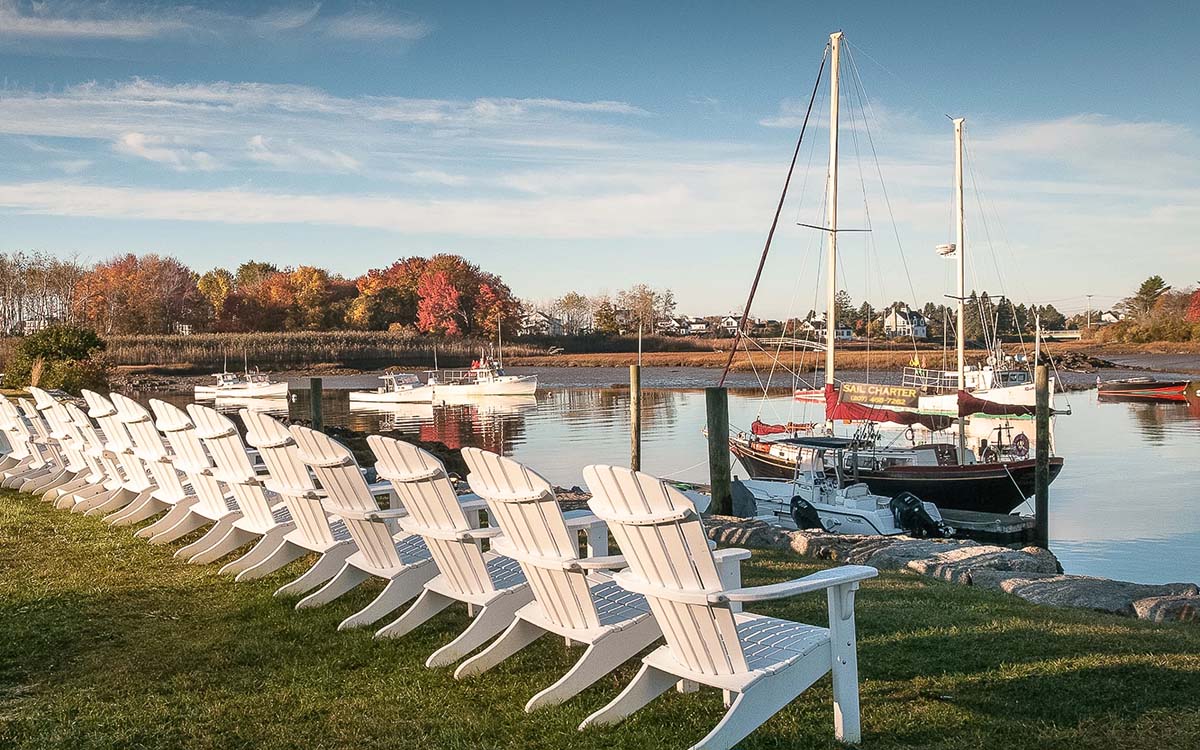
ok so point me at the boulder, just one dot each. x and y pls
(959, 564)
(740, 532)
(986, 578)
(1183, 608)
(1103, 595)
(824, 546)
(896, 552)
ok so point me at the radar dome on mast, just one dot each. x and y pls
(947, 250)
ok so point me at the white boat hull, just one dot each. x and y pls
(773, 499)
(265, 390)
(420, 395)
(505, 385)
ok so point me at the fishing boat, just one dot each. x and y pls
(1144, 389)
(397, 388)
(947, 474)
(242, 385)
(484, 378)
(820, 494)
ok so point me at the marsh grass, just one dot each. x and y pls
(107, 642)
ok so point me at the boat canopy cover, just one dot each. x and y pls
(968, 405)
(831, 443)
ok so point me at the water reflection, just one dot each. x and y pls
(1121, 508)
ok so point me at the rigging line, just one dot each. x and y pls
(879, 170)
(775, 222)
(862, 180)
(983, 216)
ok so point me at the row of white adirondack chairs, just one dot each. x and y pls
(293, 491)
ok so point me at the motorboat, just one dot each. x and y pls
(820, 494)
(484, 378)
(242, 385)
(1144, 389)
(397, 388)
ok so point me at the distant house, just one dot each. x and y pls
(673, 327)
(540, 323)
(903, 322)
(816, 328)
(697, 327)
(1108, 316)
(731, 323)
(182, 329)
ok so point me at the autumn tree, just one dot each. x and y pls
(574, 309)
(216, 286)
(604, 315)
(146, 294)
(439, 309)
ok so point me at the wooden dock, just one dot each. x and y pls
(994, 528)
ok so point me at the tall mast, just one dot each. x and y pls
(835, 45)
(960, 248)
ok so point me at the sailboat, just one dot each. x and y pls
(945, 474)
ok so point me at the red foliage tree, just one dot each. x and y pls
(1193, 312)
(439, 310)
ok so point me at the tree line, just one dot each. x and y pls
(155, 294)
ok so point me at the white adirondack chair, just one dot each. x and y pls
(762, 662)
(135, 476)
(261, 516)
(212, 503)
(574, 597)
(168, 490)
(492, 586)
(70, 447)
(104, 470)
(24, 457)
(315, 532)
(48, 471)
(400, 558)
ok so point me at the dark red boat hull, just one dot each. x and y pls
(1159, 390)
(984, 487)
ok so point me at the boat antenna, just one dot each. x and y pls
(762, 261)
(435, 355)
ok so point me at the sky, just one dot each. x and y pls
(591, 146)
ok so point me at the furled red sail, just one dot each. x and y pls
(837, 408)
(968, 405)
(762, 428)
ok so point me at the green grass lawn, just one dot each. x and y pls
(108, 642)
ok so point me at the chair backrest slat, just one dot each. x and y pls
(525, 508)
(190, 456)
(231, 463)
(668, 555)
(15, 430)
(103, 468)
(39, 434)
(116, 437)
(340, 477)
(424, 489)
(148, 445)
(288, 475)
(60, 429)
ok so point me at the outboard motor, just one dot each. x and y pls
(910, 515)
(804, 515)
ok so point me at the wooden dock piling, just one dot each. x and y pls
(1042, 456)
(635, 417)
(315, 392)
(716, 401)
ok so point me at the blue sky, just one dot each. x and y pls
(590, 146)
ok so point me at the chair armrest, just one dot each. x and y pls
(470, 503)
(486, 532)
(608, 562)
(730, 553)
(381, 488)
(825, 579)
(580, 521)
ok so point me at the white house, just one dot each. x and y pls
(903, 322)
(816, 327)
(1111, 317)
(540, 323)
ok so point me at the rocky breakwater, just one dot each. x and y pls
(1031, 573)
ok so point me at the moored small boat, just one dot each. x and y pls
(397, 388)
(485, 378)
(1144, 389)
(242, 385)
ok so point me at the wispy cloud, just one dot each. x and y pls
(296, 156)
(129, 22)
(161, 150)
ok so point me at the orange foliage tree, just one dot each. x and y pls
(146, 294)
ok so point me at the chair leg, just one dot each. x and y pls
(330, 562)
(649, 683)
(69, 500)
(215, 534)
(347, 578)
(271, 544)
(54, 493)
(39, 484)
(760, 702)
(399, 590)
(180, 528)
(233, 539)
(98, 506)
(428, 604)
(491, 621)
(602, 657)
(138, 511)
(519, 634)
(178, 511)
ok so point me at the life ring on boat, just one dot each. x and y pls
(910, 434)
(990, 455)
(1021, 444)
